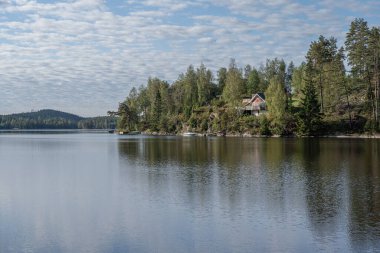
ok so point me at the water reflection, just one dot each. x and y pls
(334, 184)
(107, 193)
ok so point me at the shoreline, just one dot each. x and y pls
(353, 136)
(245, 135)
(197, 134)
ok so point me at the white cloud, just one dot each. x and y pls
(84, 55)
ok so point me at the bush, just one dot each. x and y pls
(215, 125)
(290, 124)
(192, 122)
(173, 124)
(204, 125)
(370, 126)
(264, 125)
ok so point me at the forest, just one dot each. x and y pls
(52, 119)
(335, 90)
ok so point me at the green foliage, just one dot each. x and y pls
(264, 125)
(127, 117)
(370, 126)
(103, 122)
(204, 84)
(173, 124)
(274, 69)
(156, 111)
(276, 104)
(253, 82)
(298, 81)
(309, 117)
(204, 124)
(234, 87)
(326, 69)
(363, 51)
(163, 125)
(190, 88)
(249, 124)
(192, 122)
(295, 95)
(51, 119)
(222, 77)
(357, 48)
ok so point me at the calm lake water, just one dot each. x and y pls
(78, 192)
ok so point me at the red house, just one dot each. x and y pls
(255, 105)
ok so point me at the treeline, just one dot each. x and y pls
(317, 97)
(51, 119)
(103, 122)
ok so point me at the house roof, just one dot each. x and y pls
(260, 95)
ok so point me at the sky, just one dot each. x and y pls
(84, 56)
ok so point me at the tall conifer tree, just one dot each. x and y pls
(309, 117)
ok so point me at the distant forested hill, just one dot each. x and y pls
(52, 119)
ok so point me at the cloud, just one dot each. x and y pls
(83, 56)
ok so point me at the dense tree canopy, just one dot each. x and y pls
(276, 103)
(363, 51)
(309, 116)
(317, 96)
(52, 119)
(234, 87)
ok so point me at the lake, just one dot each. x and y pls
(95, 192)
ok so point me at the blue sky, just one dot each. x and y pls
(83, 56)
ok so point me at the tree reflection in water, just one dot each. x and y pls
(327, 185)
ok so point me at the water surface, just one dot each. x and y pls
(70, 192)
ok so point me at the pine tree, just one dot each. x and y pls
(321, 58)
(374, 48)
(222, 76)
(309, 117)
(204, 78)
(127, 117)
(156, 111)
(359, 59)
(298, 81)
(253, 82)
(190, 90)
